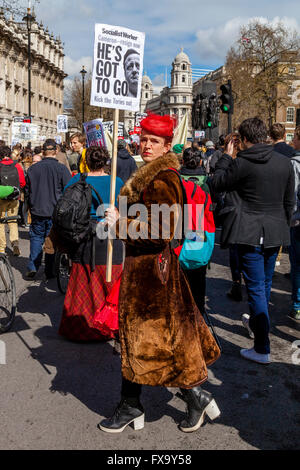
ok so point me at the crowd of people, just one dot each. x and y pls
(153, 306)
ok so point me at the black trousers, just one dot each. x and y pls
(197, 281)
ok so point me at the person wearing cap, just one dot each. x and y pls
(125, 162)
(45, 183)
(164, 339)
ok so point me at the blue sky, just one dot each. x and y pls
(205, 29)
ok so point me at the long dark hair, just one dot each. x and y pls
(191, 158)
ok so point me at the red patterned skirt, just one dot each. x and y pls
(91, 304)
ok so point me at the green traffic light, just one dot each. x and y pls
(209, 124)
(226, 108)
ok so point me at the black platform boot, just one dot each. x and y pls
(124, 415)
(199, 403)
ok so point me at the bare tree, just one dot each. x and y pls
(74, 100)
(258, 65)
(16, 7)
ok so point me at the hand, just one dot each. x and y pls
(230, 149)
(111, 216)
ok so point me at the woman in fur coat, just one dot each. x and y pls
(164, 339)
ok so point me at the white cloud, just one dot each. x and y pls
(159, 80)
(73, 67)
(213, 43)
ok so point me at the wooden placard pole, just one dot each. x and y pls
(113, 177)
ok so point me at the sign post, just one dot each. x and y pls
(116, 83)
(113, 177)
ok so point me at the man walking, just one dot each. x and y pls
(46, 181)
(277, 134)
(259, 222)
(295, 232)
(11, 174)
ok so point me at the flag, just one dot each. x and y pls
(181, 131)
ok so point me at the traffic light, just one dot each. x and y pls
(211, 112)
(226, 98)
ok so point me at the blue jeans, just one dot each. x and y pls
(257, 265)
(295, 266)
(39, 230)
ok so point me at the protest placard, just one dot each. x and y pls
(117, 69)
(116, 83)
(62, 123)
(109, 126)
(94, 133)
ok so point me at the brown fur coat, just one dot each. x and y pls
(164, 339)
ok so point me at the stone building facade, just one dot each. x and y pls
(287, 93)
(47, 77)
(178, 98)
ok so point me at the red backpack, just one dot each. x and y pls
(196, 246)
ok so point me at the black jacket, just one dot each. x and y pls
(126, 165)
(261, 187)
(284, 149)
(45, 184)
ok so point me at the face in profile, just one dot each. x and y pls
(132, 71)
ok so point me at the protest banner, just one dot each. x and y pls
(116, 83)
(94, 132)
(117, 69)
(62, 123)
(199, 134)
(138, 118)
(109, 126)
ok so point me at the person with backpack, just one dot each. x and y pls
(193, 171)
(164, 338)
(45, 184)
(90, 309)
(26, 160)
(11, 174)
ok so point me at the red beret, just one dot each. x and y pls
(162, 126)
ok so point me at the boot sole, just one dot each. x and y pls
(137, 424)
(212, 412)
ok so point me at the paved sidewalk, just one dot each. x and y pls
(54, 392)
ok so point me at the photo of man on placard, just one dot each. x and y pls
(131, 64)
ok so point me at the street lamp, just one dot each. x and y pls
(29, 19)
(83, 72)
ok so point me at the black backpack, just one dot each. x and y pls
(72, 214)
(9, 175)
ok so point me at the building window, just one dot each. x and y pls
(146, 86)
(290, 114)
(183, 78)
(175, 99)
(146, 95)
(292, 70)
(183, 67)
(291, 90)
(183, 111)
(184, 99)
